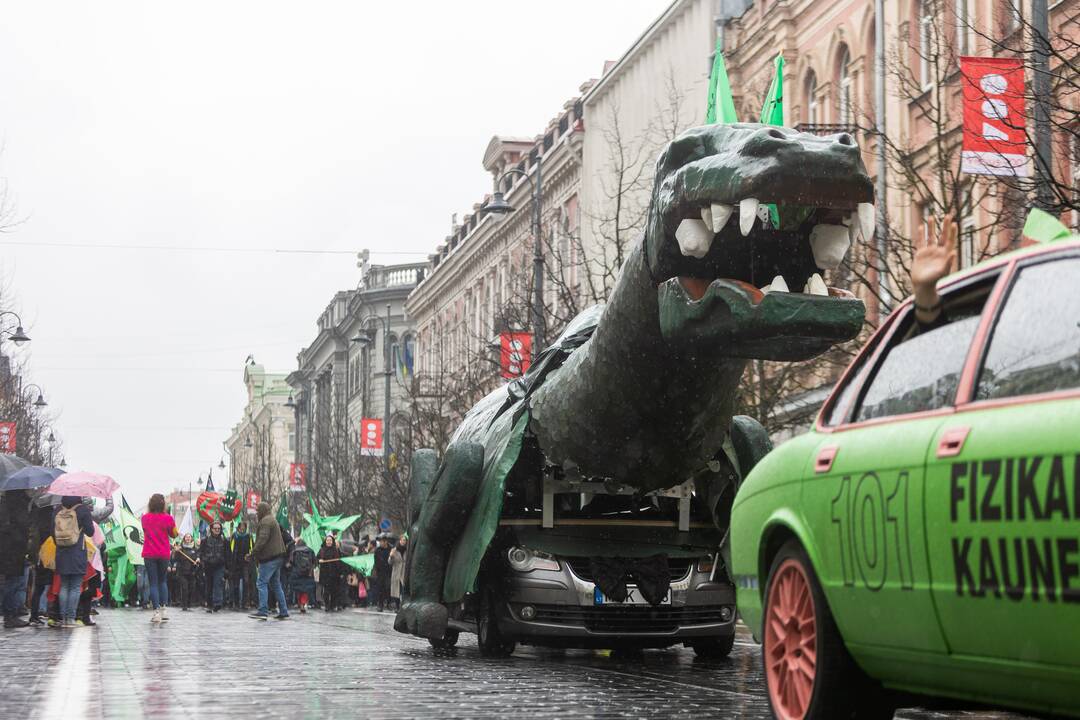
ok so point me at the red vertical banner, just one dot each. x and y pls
(371, 437)
(297, 476)
(515, 354)
(7, 437)
(995, 140)
(253, 499)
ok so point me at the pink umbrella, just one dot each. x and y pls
(84, 484)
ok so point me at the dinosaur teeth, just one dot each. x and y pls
(866, 219)
(748, 208)
(816, 286)
(777, 285)
(829, 243)
(854, 228)
(694, 238)
(720, 216)
(706, 216)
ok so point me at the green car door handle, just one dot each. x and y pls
(952, 441)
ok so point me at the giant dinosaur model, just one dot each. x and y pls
(644, 396)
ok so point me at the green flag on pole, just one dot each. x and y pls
(132, 529)
(362, 563)
(720, 107)
(312, 536)
(340, 524)
(283, 511)
(772, 113)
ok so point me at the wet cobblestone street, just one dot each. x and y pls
(353, 664)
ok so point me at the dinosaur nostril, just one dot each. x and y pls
(845, 139)
(777, 134)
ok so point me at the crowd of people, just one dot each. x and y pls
(53, 574)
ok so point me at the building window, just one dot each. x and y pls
(811, 99)
(960, 9)
(844, 106)
(1014, 15)
(926, 20)
(967, 242)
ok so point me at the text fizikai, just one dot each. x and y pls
(1040, 496)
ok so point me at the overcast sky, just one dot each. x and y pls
(245, 125)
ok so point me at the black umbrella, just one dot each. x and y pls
(10, 464)
(30, 477)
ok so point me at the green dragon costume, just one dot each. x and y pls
(641, 392)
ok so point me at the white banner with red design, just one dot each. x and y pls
(995, 140)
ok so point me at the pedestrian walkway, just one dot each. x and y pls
(353, 664)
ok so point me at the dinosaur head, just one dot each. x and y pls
(745, 221)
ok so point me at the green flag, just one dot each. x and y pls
(132, 530)
(772, 113)
(283, 511)
(1044, 227)
(312, 536)
(363, 563)
(340, 524)
(719, 107)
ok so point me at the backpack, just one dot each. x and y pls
(66, 528)
(302, 563)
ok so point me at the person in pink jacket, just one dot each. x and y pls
(158, 527)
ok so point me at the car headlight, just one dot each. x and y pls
(523, 559)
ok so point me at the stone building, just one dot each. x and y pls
(480, 278)
(341, 375)
(261, 445)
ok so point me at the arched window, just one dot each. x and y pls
(844, 113)
(811, 99)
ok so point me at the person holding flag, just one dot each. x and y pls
(183, 564)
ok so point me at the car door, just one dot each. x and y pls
(864, 494)
(1003, 484)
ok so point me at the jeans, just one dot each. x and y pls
(42, 580)
(215, 579)
(70, 589)
(270, 575)
(14, 590)
(156, 571)
(141, 584)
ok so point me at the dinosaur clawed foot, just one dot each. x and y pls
(422, 618)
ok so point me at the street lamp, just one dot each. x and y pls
(367, 337)
(40, 402)
(498, 206)
(19, 336)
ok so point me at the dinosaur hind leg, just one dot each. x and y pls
(443, 515)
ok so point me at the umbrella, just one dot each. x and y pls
(10, 463)
(84, 484)
(29, 477)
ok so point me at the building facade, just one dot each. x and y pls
(342, 375)
(479, 283)
(261, 445)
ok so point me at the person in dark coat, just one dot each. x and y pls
(301, 577)
(380, 573)
(184, 558)
(213, 552)
(71, 561)
(241, 589)
(330, 573)
(14, 543)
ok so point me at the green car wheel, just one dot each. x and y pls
(809, 672)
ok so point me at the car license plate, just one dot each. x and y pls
(633, 597)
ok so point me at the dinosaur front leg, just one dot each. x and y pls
(442, 518)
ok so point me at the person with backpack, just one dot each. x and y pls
(158, 528)
(302, 561)
(72, 524)
(270, 553)
(213, 552)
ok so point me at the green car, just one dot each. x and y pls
(925, 536)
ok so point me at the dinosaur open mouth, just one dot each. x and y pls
(766, 248)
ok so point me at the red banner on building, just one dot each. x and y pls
(297, 476)
(253, 499)
(371, 437)
(515, 354)
(7, 438)
(994, 117)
